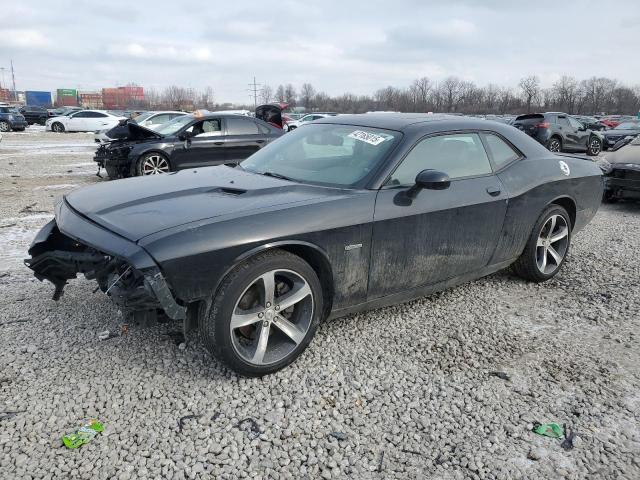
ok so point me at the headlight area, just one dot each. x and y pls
(58, 258)
(604, 165)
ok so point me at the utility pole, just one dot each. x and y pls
(13, 79)
(2, 69)
(254, 90)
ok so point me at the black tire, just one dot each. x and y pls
(555, 144)
(140, 170)
(214, 324)
(527, 264)
(594, 147)
(57, 127)
(5, 127)
(608, 196)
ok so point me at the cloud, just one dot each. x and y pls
(338, 46)
(23, 38)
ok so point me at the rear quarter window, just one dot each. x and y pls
(501, 152)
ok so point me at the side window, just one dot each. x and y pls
(97, 115)
(263, 129)
(241, 126)
(458, 155)
(81, 115)
(500, 150)
(206, 128)
(575, 123)
(563, 122)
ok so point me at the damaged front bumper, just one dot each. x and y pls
(623, 181)
(71, 244)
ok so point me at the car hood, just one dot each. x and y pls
(629, 154)
(617, 133)
(137, 207)
(130, 130)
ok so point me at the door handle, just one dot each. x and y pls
(259, 141)
(493, 191)
(218, 143)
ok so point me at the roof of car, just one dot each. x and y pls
(401, 121)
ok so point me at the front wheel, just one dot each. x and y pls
(5, 127)
(547, 246)
(594, 147)
(264, 314)
(152, 164)
(57, 127)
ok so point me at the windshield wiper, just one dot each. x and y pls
(277, 175)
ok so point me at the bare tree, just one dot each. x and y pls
(266, 94)
(530, 87)
(281, 95)
(290, 94)
(420, 89)
(307, 93)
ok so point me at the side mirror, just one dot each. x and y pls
(185, 136)
(431, 180)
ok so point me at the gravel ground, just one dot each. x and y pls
(401, 392)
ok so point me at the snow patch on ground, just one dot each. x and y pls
(59, 186)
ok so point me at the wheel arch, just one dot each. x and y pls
(569, 204)
(315, 256)
(137, 156)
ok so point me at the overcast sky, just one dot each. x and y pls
(337, 45)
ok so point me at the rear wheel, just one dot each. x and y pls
(555, 145)
(57, 127)
(264, 314)
(547, 246)
(5, 127)
(594, 147)
(152, 164)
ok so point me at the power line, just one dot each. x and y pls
(254, 91)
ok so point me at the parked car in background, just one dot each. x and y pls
(621, 170)
(11, 119)
(193, 140)
(612, 121)
(624, 129)
(560, 132)
(271, 113)
(591, 123)
(34, 115)
(344, 215)
(83, 121)
(57, 112)
(150, 120)
(292, 125)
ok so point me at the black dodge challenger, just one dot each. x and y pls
(350, 214)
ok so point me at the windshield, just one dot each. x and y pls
(324, 153)
(144, 116)
(628, 126)
(172, 126)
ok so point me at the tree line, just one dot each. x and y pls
(588, 96)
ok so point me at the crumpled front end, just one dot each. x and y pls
(72, 245)
(114, 158)
(623, 181)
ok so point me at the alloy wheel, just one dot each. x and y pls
(552, 244)
(57, 128)
(4, 127)
(594, 146)
(271, 317)
(155, 165)
(554, 146)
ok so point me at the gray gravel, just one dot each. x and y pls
(401, 392)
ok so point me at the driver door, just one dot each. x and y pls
(203, 145)
(439, 234)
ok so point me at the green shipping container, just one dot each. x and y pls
(67, 92)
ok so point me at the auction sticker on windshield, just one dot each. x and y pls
(370, 138)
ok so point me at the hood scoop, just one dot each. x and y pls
(228, 191)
